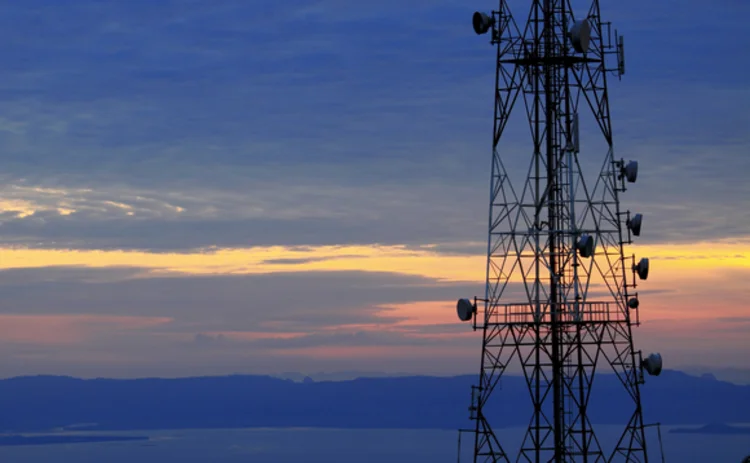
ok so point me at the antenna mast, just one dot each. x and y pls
(559, 302)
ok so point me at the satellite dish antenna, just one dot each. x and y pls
(465, 310)
(482, 22)
(630, 171)
(652, 364)
(585, 245)
(633, 303)
(634, 224)
(580, 35)
(642, 268)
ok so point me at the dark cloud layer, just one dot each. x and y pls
(404, 214)
(211, 325)
(321, 122)
(176, 125)
(331, 310)
(274, 302)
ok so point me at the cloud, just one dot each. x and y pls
(61, 330)
(251, 307)
(57, 321)
(687, 342)
(264, 303)
(309, 321)
(219, 128)
(286, 168)
(672, 263)
(267, 214)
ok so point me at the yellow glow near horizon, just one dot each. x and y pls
(259, 260)
(669, 262)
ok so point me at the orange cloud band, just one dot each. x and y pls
(669, 262)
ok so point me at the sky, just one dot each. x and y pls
(194, 187)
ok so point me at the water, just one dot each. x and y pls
(334, 446)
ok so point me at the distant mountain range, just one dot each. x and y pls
(722, 429)
(43, 403)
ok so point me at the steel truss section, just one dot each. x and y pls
(571, 316)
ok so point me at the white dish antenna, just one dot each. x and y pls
(585, 245)
(482, 22)
(634, 224)
(580, 35)
(630, 171)
(642, 268)
(465, 309)
(652, 364)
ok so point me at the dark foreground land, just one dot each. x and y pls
(44, 403)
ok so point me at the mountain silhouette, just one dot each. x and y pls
(40, 403)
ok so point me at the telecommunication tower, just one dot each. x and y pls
(560, 301)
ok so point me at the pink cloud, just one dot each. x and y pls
(69, 329)
(373, 352)
(254, 335)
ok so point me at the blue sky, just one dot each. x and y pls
(181, 126)
(339, 108)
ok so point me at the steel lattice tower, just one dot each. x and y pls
(560, 300)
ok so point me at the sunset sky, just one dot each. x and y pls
(230, 186)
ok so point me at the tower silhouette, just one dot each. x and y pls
(560, 301)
